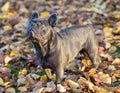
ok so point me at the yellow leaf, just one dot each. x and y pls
(7, 27)
(73, 84)
(22, 72)
(5, 7)
(44, 14)
(86, 63)
(53, 77)
(116, 61)
(7, 84)
(1, 82)
(100, 90)
(43, 77)
(24, 10)
(112, 49)
(8, 15)
(7, 59)
(105, 78)
(116, 73)
(92, 71)
(108, 31)
(14, 53)
(22, 89)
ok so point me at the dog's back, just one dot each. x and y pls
(75, 38)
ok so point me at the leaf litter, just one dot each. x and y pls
(18, 65)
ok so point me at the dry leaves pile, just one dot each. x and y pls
(18, 64)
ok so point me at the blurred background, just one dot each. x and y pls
(17, 55)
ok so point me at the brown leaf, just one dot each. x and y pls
(10, 90)
(14, 53)
(102, 78)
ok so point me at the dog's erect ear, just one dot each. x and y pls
(35, 15)
(52, 20)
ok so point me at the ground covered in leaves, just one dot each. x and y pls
(19, 71)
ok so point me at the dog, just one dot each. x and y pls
(56, 49)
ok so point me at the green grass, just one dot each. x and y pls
(116, 53)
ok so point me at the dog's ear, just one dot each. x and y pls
(52, 20)
(35, 15)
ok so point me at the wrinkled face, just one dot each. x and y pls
(40, 29)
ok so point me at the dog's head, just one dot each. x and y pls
(41, 29)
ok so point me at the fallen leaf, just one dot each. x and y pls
(22, 72)
(35, 76)
(111, 67)
(116, 61)
(47, 90)
(51, 86)
(29, 81)
(117, 90)
(100, 90)
(44, 14)
(21, 81)
(101, 49)
(108, 31)
(86, 63)
(53, 77)
(61, 88)
(7, 59)
(43, 77)
(92, 71)
(24, 10)
(110, 59)
(14, 53)
(112, 49)
(5, 7)
(2, 89)
(22, 89)
(8, 84)
(7, 28)
(85, 83)
(10, 90)
(107, 45)
(102, 78)
(40, 90)
(1, 82)
(5, 70)
(72, 84)
(116, 73)
(6, 39)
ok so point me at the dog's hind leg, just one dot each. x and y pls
(93, 55)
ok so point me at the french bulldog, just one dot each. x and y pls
(56, 49)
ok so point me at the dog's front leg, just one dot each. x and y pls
(59, 74)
